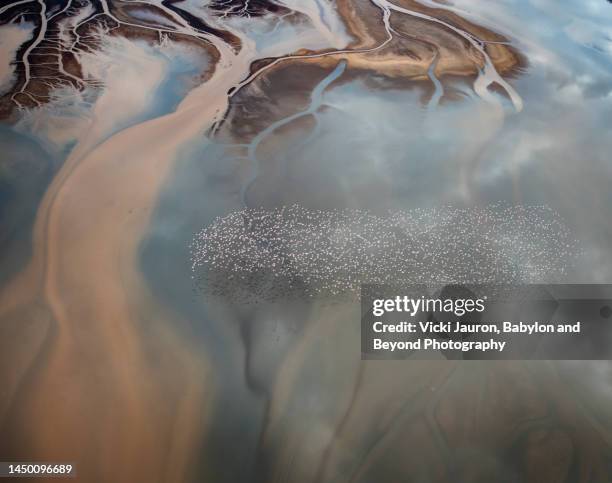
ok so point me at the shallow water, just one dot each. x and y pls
(150, 157)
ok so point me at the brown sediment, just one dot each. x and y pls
(112, 384)
(253, 109)
(453, 19)
(410, 56)
(505, 57)
(128, 12)
(407, 56)
(359, 17)
(201, 26)
(403, 62)
(244, 8)
(112, 366)
(46, 73)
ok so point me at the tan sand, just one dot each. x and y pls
(115, 385)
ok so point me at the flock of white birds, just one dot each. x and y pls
(257, 254)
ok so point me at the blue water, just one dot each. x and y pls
(25, 171)
(316, 98)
